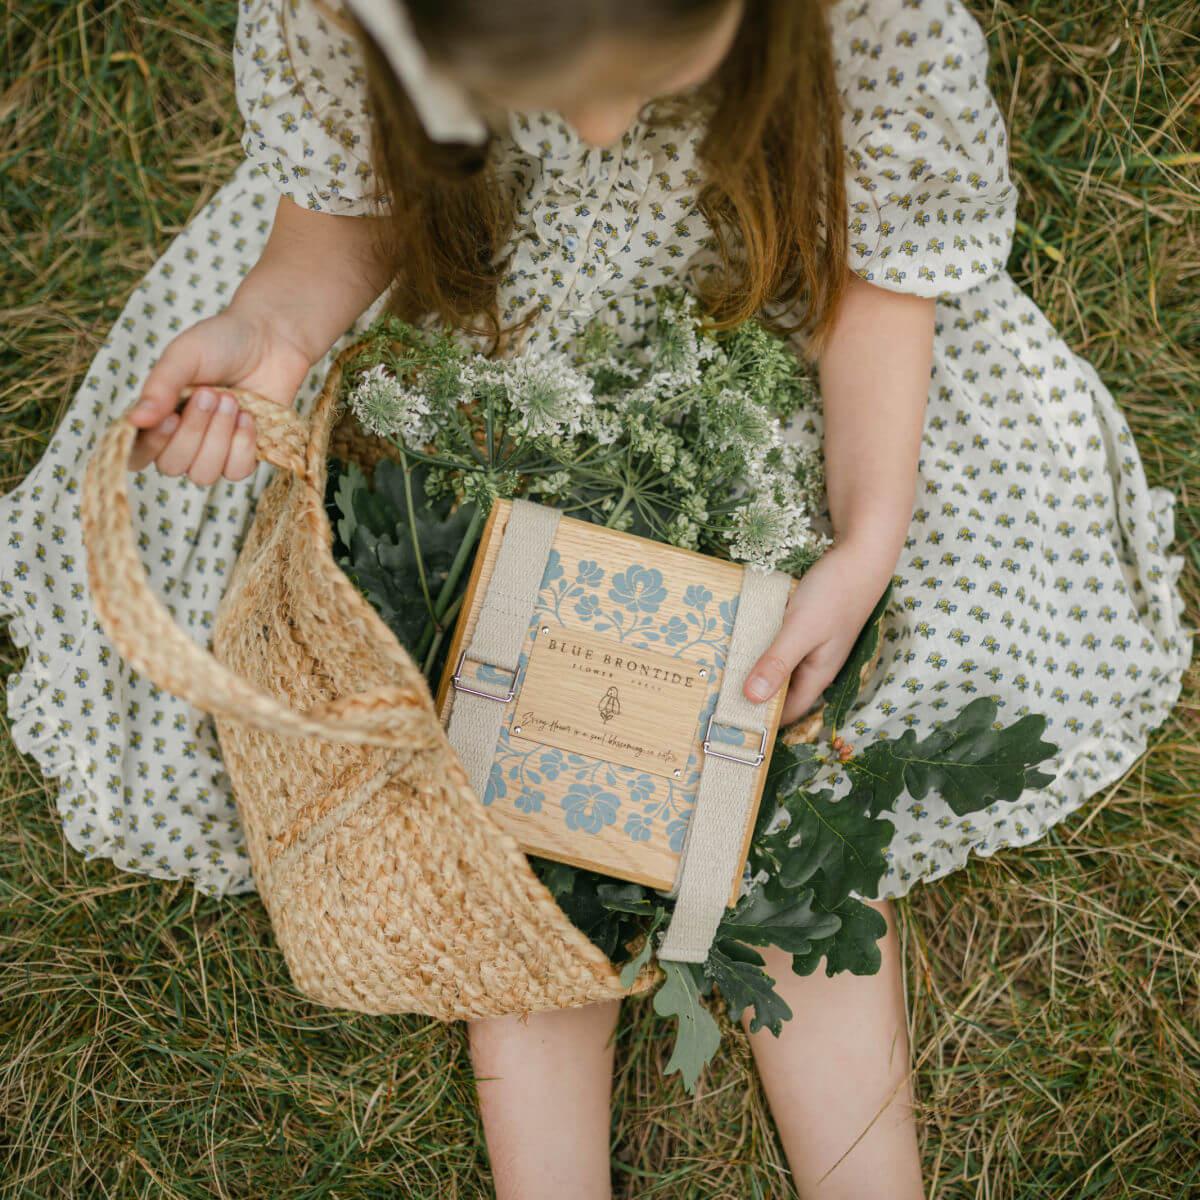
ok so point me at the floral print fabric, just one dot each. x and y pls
(1036, 569)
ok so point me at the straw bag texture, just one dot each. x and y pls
(389, 887)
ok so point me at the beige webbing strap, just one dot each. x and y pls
(712, 844)
(504, 616)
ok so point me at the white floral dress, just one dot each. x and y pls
(1036, 569)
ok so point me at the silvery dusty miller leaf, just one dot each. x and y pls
(697, 1036)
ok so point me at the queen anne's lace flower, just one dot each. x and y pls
(384, 406)
(545, 394)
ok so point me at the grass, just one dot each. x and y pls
(152, 1043)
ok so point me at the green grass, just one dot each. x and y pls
(150, 1042)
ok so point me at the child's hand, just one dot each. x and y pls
(824, 617)
(210, 438)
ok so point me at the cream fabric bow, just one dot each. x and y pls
(443, 106)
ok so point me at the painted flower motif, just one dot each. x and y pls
(529, 801)
(638, 588)
(675, 632)
(588, 607)
(553, 568)
(641, 789)
(729, 735)
(590, 574)
(551, 764)
(589, 807)
(637, 827)
(486, 673)
(496, 788)
(697, 596)
(728, 612)
(675, 832)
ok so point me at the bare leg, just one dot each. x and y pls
(545, 1093)
(839, 1070)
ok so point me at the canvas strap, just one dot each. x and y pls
(712, 846)
(503, 622)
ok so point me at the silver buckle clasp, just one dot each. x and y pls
(756, 761)
(460, 686)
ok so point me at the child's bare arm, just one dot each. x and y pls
(316, 274)
(874, 375)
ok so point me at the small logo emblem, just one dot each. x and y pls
(610, 705)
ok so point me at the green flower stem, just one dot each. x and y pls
(412, 530)
(439, 636)
(444, 609)
(433, 460)
(621, 506)
(460, 560)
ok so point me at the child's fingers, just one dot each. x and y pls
(181, 450)
(149, 442)
(210, 458)
(178, 366)
(767, 676)
(809, 680)
(241, 460)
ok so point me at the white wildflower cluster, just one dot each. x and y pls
(384, 406)
(602, 425)
(547, 396)
(734, 422)
(679, 353)
(683, 434)
(774, 528)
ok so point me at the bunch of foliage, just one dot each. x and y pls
(677, 437)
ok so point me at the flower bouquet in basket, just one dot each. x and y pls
(678, 438)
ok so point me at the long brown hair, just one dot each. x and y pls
(771, 154)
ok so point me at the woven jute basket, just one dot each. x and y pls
(389, 887)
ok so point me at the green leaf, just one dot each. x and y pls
(738, 972)
(384, 570)
(380, 558)
(971, 763)
(350, 480)
(626, 897)
(833, 845)
(377, 511)
(576, 893)
(558, 877)
(697, 1036)
(787, 921)
(853, 948)
(790, 768)
(841, 694)
(631, 970)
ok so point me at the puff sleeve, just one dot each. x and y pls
(301, 88)
(931, 204)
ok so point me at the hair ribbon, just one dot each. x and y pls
(443, 106)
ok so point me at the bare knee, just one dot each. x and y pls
(579, 1030)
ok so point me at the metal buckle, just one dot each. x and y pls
(459, 686)
(745, 762)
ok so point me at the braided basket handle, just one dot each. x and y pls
(145, 633)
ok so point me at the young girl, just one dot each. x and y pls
(516, 168)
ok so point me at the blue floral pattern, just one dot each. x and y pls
(1037, 567)
(604, 794)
